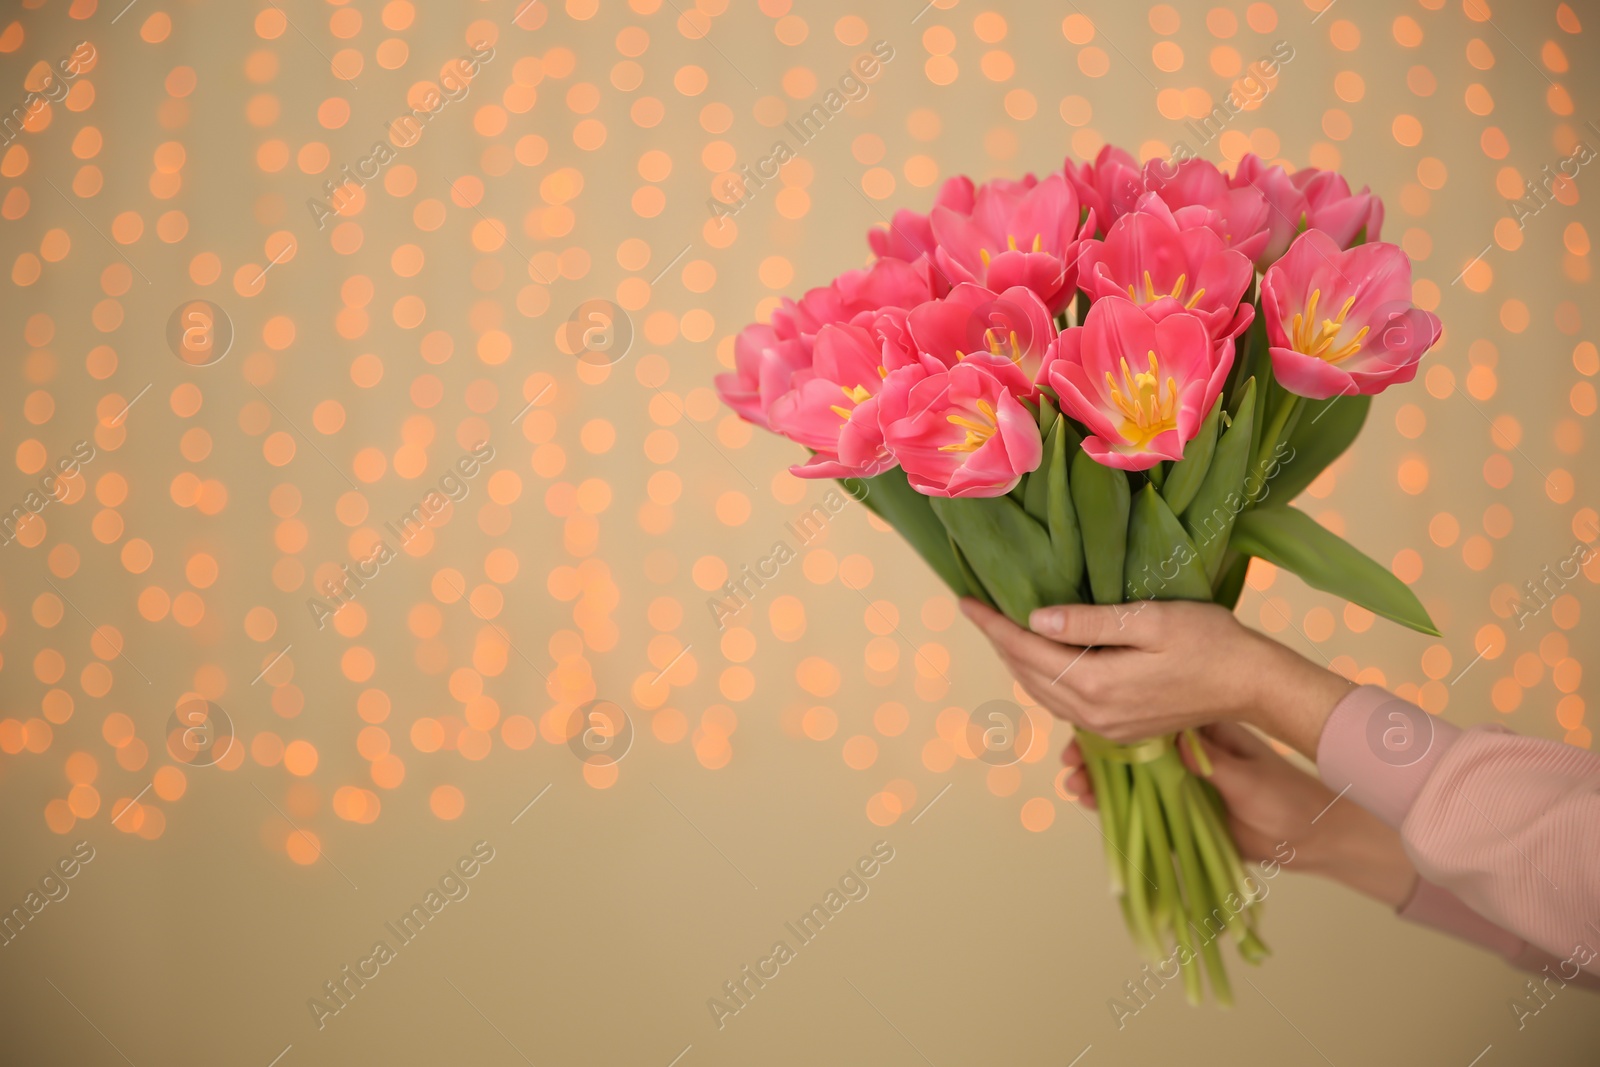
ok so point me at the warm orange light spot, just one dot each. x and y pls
(300, 758)
(860, 752)
(388, 771)
(447, 802)
(883, 809)
(169, 783)
(303, 847)
(83, 800)
(819, 723)
(117, 729)
(58, 816)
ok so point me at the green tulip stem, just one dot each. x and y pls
(1283, 418)
(1113, 824)
(1171, 777)
(1166, 880)
(1201, 760)
(1216, 869)
(1138, 896)
(1231, 870)
(1120, 797)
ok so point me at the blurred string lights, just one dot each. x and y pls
(632, 579)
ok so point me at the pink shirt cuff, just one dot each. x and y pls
(1381, 749)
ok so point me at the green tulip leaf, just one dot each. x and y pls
(1231, 583)
(1061, 518)
(1008, 551)
(974, 586)
(1183, 480)
(1162, 563)
(1047, 412)
(1223, 494)
(891, 497)
(1294, 541)
(1101, 498)
(1037, 485)
(1324, 430)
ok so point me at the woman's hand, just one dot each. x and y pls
(1132, 671)
(1278, 812)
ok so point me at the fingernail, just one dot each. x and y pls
(1045, 621)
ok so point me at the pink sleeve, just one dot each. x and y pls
(1442, 910)
(1504, 827)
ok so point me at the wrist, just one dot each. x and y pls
(1242, 666)
(1362, 853)
(1286, 695)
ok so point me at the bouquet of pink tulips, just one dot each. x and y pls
(1106, 385)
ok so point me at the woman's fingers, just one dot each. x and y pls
(1079, 785)
(1041, 685)
(1096, 625)
(1016, 644)
(1236, 777)
(1187, 744)
(1236, 739)
(1077, 782)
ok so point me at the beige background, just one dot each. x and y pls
(369, 355)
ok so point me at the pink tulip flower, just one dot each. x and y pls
(1110, 186)
(763, 365)
(961, 431)
(831, 409)
(1341, 322)
(766, 357)
(1017, 234)
(1014, 324)
(1141, 385)
(1199, 195)
(1332, 208)
(910, 235)
(1286, 203)
(887, 283)
(1151, 260)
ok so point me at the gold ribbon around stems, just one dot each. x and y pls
(1095, 746)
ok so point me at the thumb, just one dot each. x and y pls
(1233, 775)
(1102, 625)
(1236, 739)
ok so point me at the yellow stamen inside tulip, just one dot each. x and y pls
(992, 337)
(1151, 294)
(854, 393)
(1146, 413)
(1313, 340)
(977, 432)
(1011, 246)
